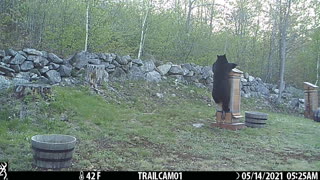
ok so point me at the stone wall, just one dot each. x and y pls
(34, 66)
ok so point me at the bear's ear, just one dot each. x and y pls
(232, 65)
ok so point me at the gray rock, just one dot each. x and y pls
(190, 74)
(18, 59)
(44, 69)
(198, 125)
(16, 81)
(196, 68)
(187, 66)
(135, 73)
(6, 69)
(259, 80)
(23, 75)
(106, 64)
(39, 61)
(114, 62)
(43, 80)
(26, 66)
(159, 95)
(206, 72)
(294, 103)
(34, 77)
(94, 61)
(273, 97)
(242, 93)
(35, 71)
(53, 66)
(111, 66)
(148, 66)
(44, 54)
(246, 89)
(118, 73)
(262, 89)
(23, 53)
(255, 94)
(286, 95)
(153, 76)
(53, 76)
(111, 57)
(164, 69)
(185, 71)
(199, 85)
(175, 70)
(244, 80)
(123, 60)
(55, 59)
(251, 78)
(4, 82)
(81, 59)
(126, 67)
(276, 91)
(110, 70)
(6, 59)
(102, 56)
(65, 71)
(16, 68)
(32, 58)
(247, 95)
(294, 91)
(10, 52)
(32, 51)
(137, 61)
(246, 75)
(2, 53)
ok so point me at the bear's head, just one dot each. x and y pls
(223, 65)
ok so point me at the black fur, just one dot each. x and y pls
(221, 86)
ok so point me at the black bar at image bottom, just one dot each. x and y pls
(161, 175)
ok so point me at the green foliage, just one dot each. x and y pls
(241, 29)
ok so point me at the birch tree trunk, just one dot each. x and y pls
(283, 44)
(87, 27)
(143, 33)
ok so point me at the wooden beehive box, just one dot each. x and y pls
(310, 99)
(235, 96)
(231, 120)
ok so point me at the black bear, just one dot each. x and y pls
(221, 86)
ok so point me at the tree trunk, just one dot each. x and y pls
(143, 33)
(270, 55)
(318, 61)
(283, 45)
(87, 27)
(188, 22)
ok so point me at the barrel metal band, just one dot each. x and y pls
(52, 151)
(52, 160)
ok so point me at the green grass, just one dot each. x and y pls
(130, 128)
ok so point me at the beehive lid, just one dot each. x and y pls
(309, 86)
(235, 72)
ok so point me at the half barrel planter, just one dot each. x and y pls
(53, 151)
(255, 119)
